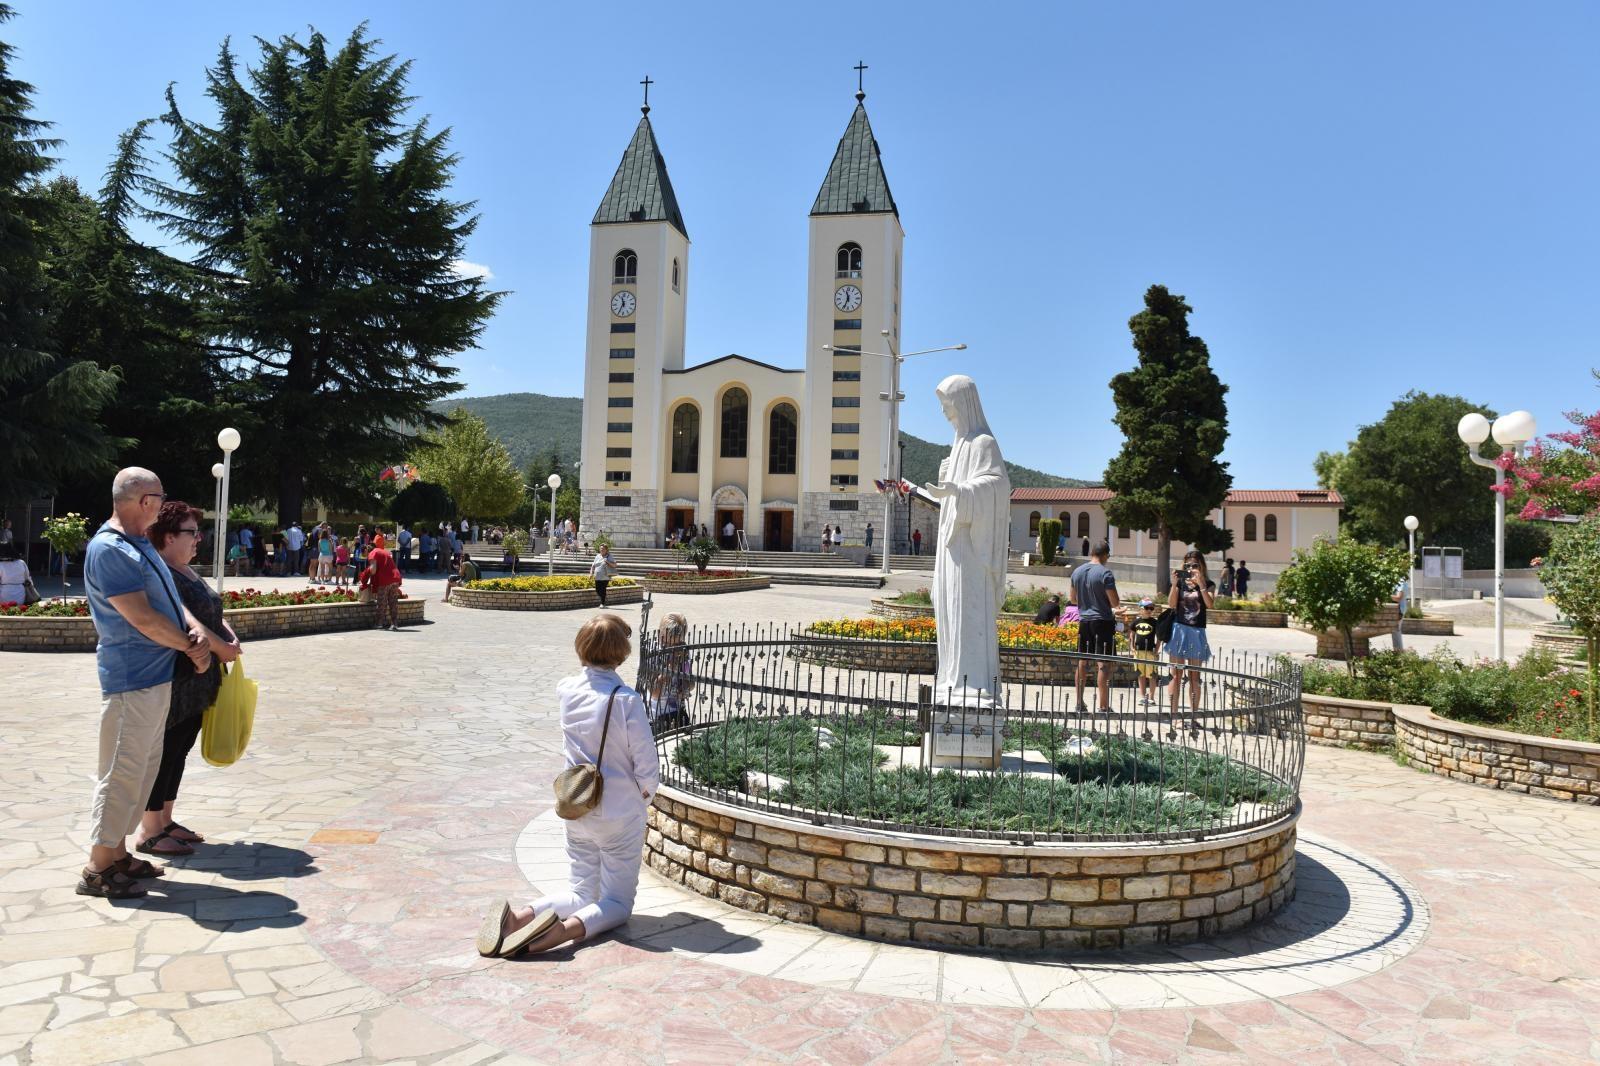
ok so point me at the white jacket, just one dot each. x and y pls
(630, 769)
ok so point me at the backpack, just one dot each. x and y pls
(1164, 624)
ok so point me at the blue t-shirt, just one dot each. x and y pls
(128, 659)
(1089, 584)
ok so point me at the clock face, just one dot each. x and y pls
(623, 303)
(848, 298)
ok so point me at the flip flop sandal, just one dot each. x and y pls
(492, 933)
(139, 868)
(110, 883)
(174, 827)
(149, 847)
(516, 942)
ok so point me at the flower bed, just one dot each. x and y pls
(242, 600)
(694, 583)
(1028, 652)
(1027, 635)
(557, 583)
(561, 593)
(253, 616)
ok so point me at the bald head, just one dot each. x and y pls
(132, 482)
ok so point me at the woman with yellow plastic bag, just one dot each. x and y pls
(226, 729)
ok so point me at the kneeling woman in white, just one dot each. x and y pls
(605, 846)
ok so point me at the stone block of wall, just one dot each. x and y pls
(1005, 897)
(1347, 723)
(1566, 770)
(633, 526)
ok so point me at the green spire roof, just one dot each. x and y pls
(855, 183)
(640, 189)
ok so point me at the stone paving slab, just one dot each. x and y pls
(416, 770)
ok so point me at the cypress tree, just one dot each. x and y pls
(324, 250)
(1174, 421)
(49, 405)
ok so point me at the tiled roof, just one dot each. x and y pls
(855, 183)
(1238, 497)
(640, 189)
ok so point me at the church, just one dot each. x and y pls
(778, 452)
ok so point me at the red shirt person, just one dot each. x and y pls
(382, 576)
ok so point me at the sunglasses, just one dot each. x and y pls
(158, 495)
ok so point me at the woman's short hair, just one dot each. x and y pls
(174, 513)
(603, 641)
(674, 625)
(8, 552)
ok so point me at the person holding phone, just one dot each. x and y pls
(1192, 593)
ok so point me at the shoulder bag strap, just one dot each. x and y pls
(166, 586)
(607, 727)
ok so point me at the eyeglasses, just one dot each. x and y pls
(195, 533)
(158, 495)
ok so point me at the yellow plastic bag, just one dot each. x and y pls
(225, 729)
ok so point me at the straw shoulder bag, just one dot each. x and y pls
(578, 788)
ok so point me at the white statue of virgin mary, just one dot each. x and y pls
(969, 569)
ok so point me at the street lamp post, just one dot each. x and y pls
(1511, 432)
(228, 441)
(216, 517)
(892, 400)
(554, 481)
(1411, 548)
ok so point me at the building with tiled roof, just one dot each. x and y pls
(1267, 524)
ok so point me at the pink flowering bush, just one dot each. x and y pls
(1558, 476)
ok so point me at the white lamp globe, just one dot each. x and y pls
(228, 439)
(216, 471)
(1412, 523)
(1473, 428)
(554, 481)
(1518, 427)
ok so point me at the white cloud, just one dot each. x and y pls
(471, 270)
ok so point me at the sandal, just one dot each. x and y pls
(110, 883)
(184, 834)
(492, 933)
(515, 942)
(139, 868)
(148, 847)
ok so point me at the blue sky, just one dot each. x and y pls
(1357, 198)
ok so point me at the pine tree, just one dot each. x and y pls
(1174, 421)
(324, 266)
(49, 405)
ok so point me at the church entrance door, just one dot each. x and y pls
(679, 518)
(724, 516)
(780, 532)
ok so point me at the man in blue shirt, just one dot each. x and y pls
(1094, 590)
(143, 628)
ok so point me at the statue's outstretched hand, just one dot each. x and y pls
(940, 489)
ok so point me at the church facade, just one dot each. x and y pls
(778, 452)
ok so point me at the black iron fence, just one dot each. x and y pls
(840, 730)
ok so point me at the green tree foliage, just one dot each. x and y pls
(1571, 576)
(569, 501)
(1340, 584)
(473, 467)
(424, 502)
(1049, 539)
(1410, 462)
(324, 252)
(1174, 421)
(49, 403)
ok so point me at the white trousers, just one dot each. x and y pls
(605, 857)
(132, 729)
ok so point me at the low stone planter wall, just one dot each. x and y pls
(901, 612)
(1258, 619)
(250, 623)
(1540, 766)
(1429, 627)
(1347, 723)
(917, 657)
(708, 586)
(573, 599)
(1558, 640)
(928, 890)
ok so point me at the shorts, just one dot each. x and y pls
(1147, 662)
(1097, 636)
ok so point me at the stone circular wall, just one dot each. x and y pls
(1347, 723)
(971, 893)
(692, 586)
(1540, 766)
(900, 612)
(24, 633)
(570, 599)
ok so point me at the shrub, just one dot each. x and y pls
(699, 551)
(558, 583)
(1571, 575)
(1265, 603)
(1340, 584)
(1030, 635)
(1049, 539)
(915, 598)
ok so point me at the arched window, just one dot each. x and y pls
(1249, 527)
(735, 423)
(1083, 523)
(849, 260)
(1271, 530)
(1033, 523)
(674, 275)
(782, 435)
(686, 439)
(625, 267)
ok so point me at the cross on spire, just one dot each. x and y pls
(860, 69)
(646, 83)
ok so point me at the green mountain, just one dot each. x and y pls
(531, 425)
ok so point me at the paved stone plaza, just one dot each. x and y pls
(398, 783)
